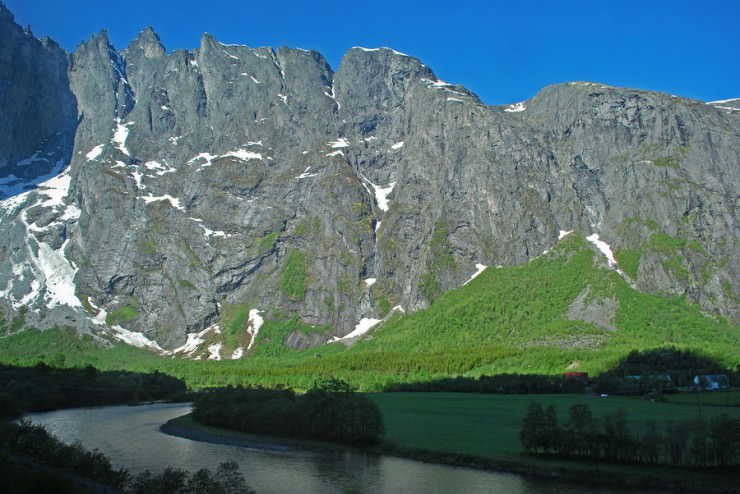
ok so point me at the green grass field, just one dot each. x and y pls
(714, 398)
(487, 426)
(482, 431)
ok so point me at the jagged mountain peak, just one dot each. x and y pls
(149, 43)
(6, 16)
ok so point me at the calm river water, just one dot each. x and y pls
(130, 437)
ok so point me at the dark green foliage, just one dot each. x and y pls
(533, 426)
(440, 258)
(649, 447)
(618, 442)
(659, 369)
(19, 321)
(187, 284)
(698, 442)
(170, 480)
(293, 281)
(335, 413)
(540, 432)
(35, 442)
(122, 314)
(667, 161)
(274, 332)
(384, 305)
(267, 243)
(430, 286)
(502, 383)
(226, 480)
(665, 244)
(723, 440)
(329, 411)
(18, 478)
(47, 388)
(579, 433)
(629, 261)
(9, 407)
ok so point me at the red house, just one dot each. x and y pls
(576, 376)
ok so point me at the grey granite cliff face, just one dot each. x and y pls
(226, 177)
(39, 113)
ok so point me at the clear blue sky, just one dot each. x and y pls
(503, 51)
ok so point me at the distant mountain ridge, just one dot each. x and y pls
(227, 185)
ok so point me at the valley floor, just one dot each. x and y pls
(481, 431)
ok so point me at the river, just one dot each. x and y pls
(130, 437)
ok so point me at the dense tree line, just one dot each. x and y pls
(47, 388)
(34, 444)
(699, 442)
(329, 411)
(502, 383)
(660, 369)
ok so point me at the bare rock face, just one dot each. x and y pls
(226, 176)
(594, 310)
(39, 112)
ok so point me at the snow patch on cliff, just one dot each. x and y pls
(58, 274)
(214, 351)
(382, 193)
(208, 157)
(195, 340)
(120, 134)
(339, 143)
(158, 168)
(243, 155)
(605, 249)
(254, 323)
(362, 327)
(479, 269)
(137, 178)
(382, 48)
(135, 338)
(305, 173)
(174, 201)
(516, 107)
(95, 152)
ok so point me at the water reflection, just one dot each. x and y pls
(130, 436)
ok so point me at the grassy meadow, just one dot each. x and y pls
(487, 425)
(482, 431)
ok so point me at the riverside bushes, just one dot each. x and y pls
(32, 445)
(34, 442)
(329, 411)
(698, 442)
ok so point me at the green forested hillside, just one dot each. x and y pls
(566, 310)
(525, 309)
